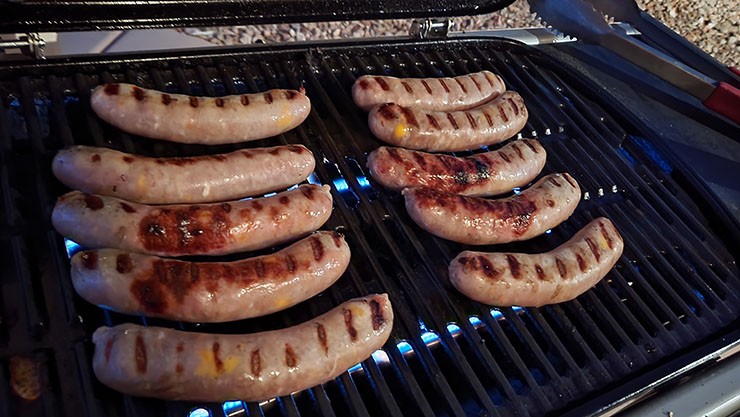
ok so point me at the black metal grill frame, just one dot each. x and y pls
(670, 295)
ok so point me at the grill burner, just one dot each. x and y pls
(676, 286)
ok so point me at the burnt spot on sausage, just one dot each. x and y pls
(255, 363)
(444, 85)
(318, 248)
(461, 177)
(487, 76)
(180, 347)
(594, 248)
(555, 293)
(530, 146)
(452, 121)
(166, 99)
(364, 84)
(606, 235)
(471, 120)
(433, 121)
(124, 264)
(514, 266)
(554, 182)
(93, 202)
(138, 93)
(308, 192)
(376, 315)
(382, 83)
(108, 349)
(150, 294)
(128, 159)
(140, 354)
(550, 203)
(259, 267)
(502, 113)
(296, 149)
(581, 262)
(321, 333)
(476, 83)
(112, 89)
(187, 230)
(482, 169)
(290, 359)
(193, 101)
(290, 94)
(407, 87)
(387, 112)
(393, 153)
(513, 105)
(462, 86)
(127, 207)
(284, 200)
(562, 269)
(488, 118)
(290, 263)
(256, 205)
(348, 324)
(408, 114)
(95, 157)
(540, 273)
(226, 207)
(518, 151)
(244, 99)
(268, 98)
(89, 259)
(487, 267)
(420, 160)
(570, 180)
(337, 237)
(219, 102)
(503, 156)
(216, 359)
(426, 86)
(178, 368)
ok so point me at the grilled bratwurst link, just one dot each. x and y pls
(506, 279)
(199, 179)
(210, 291)
(478, 221)
(176, 365)
(452, 131)
(484, 174)
(439, 94)
(206, 120)
(205, 229)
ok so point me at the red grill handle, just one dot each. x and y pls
(725, 100)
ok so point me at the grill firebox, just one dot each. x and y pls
(675, 288)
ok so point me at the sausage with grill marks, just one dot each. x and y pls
(204, 120)
(205, 229)
(210, 291)
(438, 94)
(199, 179)
(506, 279)
(484, 174)
(478, 221)
(451, 131)
(176, 365)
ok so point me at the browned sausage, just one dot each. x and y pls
(206, 120)
(506, 279)
(210, 291)
(200, 179)
(206, 229)
(478, 221)
(484, 174)
(175, 365)
(439, 94)
(451, 131)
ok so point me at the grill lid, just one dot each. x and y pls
(85, 15)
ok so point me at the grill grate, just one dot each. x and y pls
(448, 355)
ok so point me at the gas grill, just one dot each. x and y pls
(670, 306)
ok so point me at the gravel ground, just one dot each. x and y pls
(711, 24)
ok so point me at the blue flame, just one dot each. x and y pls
(199, 412)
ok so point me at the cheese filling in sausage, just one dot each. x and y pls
(199, 179)
(438, 94)
(200, 229)
(479, 221)
(176, 365)
(204, 120)
(449, 131)
(210, 291)
(506, 279)
(484, 174)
